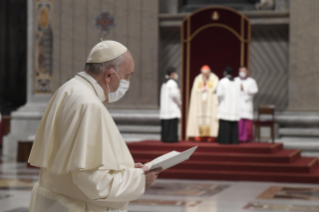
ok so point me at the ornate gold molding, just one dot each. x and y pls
(191, 37)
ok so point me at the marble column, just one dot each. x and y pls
(25, 121)
(304, 55)
(168, 6)
(282, 5)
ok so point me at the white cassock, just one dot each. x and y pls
(250, 89)
(85, 164)
(202, 120)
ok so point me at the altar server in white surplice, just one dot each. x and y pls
(85, 164)
(202, 124)
(228, 93)
(170, 111)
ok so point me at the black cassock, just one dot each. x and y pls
(228, 132)
(169, 130)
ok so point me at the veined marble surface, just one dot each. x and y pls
(175, 195)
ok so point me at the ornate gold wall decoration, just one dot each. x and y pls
(215, 16)
(43, 46)
(44, 17)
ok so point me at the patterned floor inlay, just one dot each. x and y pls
(20, 173)
(16, 184)
(5, 196)
(185, 189)
(165, 202)
(19, 210)
(257, 206)
(276, 192)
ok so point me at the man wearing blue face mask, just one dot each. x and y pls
(85, 163)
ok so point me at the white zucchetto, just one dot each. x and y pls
(106, 51)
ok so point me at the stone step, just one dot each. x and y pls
(134, 137)
(310, 154)
(297, 118)
(139, 129)
(309, 146)
(303, 143)
(299, 132)
(135, 117)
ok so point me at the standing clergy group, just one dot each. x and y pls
(234, 107)
(219, 110)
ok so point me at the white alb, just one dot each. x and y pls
(250, 89)
(170, 100)
(228, 94)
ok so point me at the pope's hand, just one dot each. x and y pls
(138, 165)
(150, 176)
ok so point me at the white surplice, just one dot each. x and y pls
(228, 93)
(250, 89)
(170, 100)
(85, 163)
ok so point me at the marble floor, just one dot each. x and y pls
(180, 195)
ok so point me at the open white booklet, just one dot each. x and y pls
(170, 159)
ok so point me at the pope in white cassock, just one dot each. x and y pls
(202, 124)
(85, 164)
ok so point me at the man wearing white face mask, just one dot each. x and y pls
(248, 90)
(85, 164)
(170, 111)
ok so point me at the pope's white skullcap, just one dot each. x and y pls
(105, 51)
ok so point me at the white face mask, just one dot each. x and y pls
(176, 77)
(120, 92)
(242, 74)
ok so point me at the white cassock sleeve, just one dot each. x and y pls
(174, 93)
(220, 91)
(113, 186)
(251, 88)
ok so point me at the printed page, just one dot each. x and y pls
(171, 159)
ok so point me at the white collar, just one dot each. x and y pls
(91, 78)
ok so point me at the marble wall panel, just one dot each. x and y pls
(136, 26)
(92, 31)
(109, 6)
(56, 45)
(67, 31)
(121, 25)
(79, 36)
(149, 70)
(134, 41)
